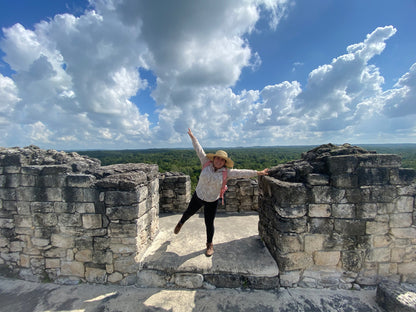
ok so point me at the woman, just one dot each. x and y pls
(210, 186)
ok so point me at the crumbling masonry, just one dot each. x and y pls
(339, 217)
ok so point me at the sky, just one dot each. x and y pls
(136, 74)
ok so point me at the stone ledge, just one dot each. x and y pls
(395, 297)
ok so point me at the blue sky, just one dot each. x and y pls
(116, 74)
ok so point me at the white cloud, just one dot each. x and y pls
(76, 76)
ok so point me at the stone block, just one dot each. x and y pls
(62, 241)
(72, 268)
(366, 210)
(291, 211)
(95, 275)
(373, 176)
(92, 221)
(317, 179)
(115, 277)
(404, 204)
(378, 255)
(80, 194)
(287, 243)
(399, 233)
(321, 225)
(151, 278)
(70, 219)
(326, 258)
(343, 211)
(294, 261)
(376, 228)
(289, 279)
(189, 280)
(83, 255)
(314, 242)
(23, 221)
(394, 297)
(352, 260)
(319, 210)
(126, 264)
(346, 180)
(52, 263)
(80, 180)
(401, 220)
(350, 227)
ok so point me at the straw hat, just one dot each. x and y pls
(222, 154)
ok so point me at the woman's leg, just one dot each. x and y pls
(210, 211)
(194, 205)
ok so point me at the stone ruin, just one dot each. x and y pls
(65, 218)
(340, 217)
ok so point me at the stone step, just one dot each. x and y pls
(240, 260)
(393, 297)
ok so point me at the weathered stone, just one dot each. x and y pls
(319, 210)
(72, 268)
(188, 280)
(92, 221)
(94, 275)
(393, 297)
(326, 258)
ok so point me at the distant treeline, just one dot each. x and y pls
(257, 158)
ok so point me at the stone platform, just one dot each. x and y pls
(240, 258)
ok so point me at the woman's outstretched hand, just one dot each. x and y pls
(190, 133)
(263, 172)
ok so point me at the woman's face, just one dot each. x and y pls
(219, 162)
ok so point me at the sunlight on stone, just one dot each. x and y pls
(101, 297)
(168, 300)
(408, 298)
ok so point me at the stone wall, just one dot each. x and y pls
(175, 194)
(65, 218)
(174, 191)
(340, 217)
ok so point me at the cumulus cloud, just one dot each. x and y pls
(75, 78)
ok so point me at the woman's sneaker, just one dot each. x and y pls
(210, 249)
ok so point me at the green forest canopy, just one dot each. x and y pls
(257, 158)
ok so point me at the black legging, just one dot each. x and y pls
(210, 210)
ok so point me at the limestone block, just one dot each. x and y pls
(401, 220)
(404, 204)
(151, 278)
(346, 180)
(366, 210)
(382, 240)
(70, 219)
(79, 180)
(352, 260)
(123, 249)
(319, 210)
(92, 221)
(95, 275)
(350, 227)
(52, 263)
(24, 261)
(23, 221)
(291, 211)
(84, 255)
(289, 279)
(45, 219)
(376, 228)
(343, 211)
(115, 277)
(321, 225)
(126, 264)
(62, 241)
(42, 207)
(326, 258)
(123, 212)
(7, 223)
(189, 280)
(314, 242)
(404, 232)
(321, 195)
(287, 243)
(40, 242)
(80, 194)
(407, 268)
(317, 179)
(121, 198)
(294, 261)
(373, 176)
(379, 160)
(84, 207)
(73, 268)
(12, 180)
(378, 255)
